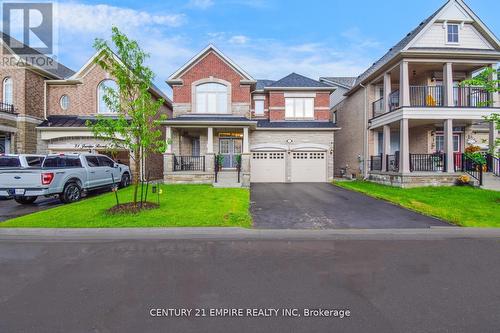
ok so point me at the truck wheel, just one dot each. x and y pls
(125, 180)
(71, 193)
(25, 200)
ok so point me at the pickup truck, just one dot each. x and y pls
(20, 161)
(68, 176)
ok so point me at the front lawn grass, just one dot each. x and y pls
(463, 206)
(180, 206)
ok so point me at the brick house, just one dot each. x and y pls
(407, 120)
(279, 131)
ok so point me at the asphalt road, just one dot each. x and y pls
(388, 283)
(10, 209)
(324, 206)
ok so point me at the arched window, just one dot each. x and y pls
(64, 102)
(102, 107)
(211, 98)
(8, 91)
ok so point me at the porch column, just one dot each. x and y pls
(493, 135)
(448, 84)
(386, 146)
(168, 140)
(168, 156)
(246, 148)
(448, 145)
(387, 91)
(495, 95)
(404, 85)
(404, 147)
(210, 140)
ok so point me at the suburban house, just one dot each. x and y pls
(44, 113)
(407, 119)
(229, 128)
(342, 85)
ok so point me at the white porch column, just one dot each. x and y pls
(210, 140)
(404, 84)
(404, 147)
(168, 140)
(493, 135)
(448, 84)
(495, 95)
(448, 145)
(387, 91)
(246, 146)
(386, 146)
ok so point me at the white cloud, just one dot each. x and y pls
(238, 39)
(201, 4)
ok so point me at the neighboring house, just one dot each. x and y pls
(407, 120)
(342, 84)
(282, 130)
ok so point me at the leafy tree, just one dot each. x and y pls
(136, 126)
(489, 80)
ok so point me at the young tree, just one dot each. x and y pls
(489, 80)
(136, 126)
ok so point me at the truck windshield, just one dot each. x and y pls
(9, 162)
(62, 162)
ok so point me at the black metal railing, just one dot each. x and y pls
(428, 162)
(189, 163)
(471, 97)
(392, 162)
(426, 96)
(378, 107)
(8, 108)
(495, 166)
(473, 168)
(394, 100)
(217, 166)
(376, 163)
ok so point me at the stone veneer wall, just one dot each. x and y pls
(413, 180)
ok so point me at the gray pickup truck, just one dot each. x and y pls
(66, 175)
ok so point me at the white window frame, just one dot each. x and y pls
(212, 96)
(99, 98)
(448, 33)
(295, 108)
(259, 111)
(62, 104)
(4, 85)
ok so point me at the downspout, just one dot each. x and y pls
(45, 99)
(365, 135)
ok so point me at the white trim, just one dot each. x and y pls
(309, 147)
(211, 79)
(268, 147)
(201, 55)
(9, 129)
(300, 94)
(8, 78)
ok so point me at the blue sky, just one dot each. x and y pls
(269, 39)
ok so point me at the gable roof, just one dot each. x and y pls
(174, 78)
(57, 71)
(342, 81)
(295, 80)
(405, 43)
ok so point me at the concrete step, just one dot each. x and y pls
(491, 182)
(227, 179)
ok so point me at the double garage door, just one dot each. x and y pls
(298, 167)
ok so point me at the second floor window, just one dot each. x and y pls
(102, 106)
(452, 33)
(299, 108)
(259, 108)
(211, 98)
(8, 91)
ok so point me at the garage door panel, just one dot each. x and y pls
(308, 167)
(267, 167)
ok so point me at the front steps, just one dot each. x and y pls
(227, 179)
(491, 182)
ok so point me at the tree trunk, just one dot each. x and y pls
(137, 169)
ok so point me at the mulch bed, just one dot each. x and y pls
(131, 208)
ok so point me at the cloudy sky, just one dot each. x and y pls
(269, 39)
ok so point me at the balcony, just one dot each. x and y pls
(7, 108)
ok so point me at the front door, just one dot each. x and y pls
(229, 148)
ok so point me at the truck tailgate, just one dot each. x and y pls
(20, 179)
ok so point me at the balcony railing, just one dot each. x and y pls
(428, 162)
(8, 108)
(394, 100)
(378, 107)
(471, 97)
(426, 96)
(189, 163)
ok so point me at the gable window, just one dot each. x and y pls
(64, 102)
(7, 91)
(452, 33)
(211, 98)
(102, 89)
(259, 108)
(299, 108)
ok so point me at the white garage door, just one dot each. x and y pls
(308, 167)
(267, 167)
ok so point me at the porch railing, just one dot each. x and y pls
(8, 108)
(473, 168)
(495, 166)
(426, 96)
(189, 163)
(378, 107)
(428, 162)
(394, 100)
(392, 162)
(376, 163)
(472, 97)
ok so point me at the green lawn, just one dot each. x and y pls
(180, 206)
(464, 206)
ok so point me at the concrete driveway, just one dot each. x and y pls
(324, 206)
(10, 209)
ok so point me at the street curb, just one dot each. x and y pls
(432, 233)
